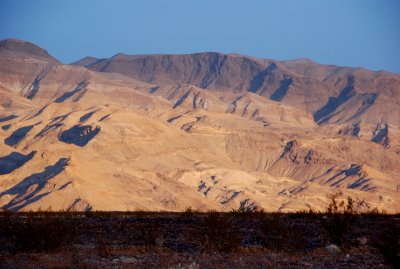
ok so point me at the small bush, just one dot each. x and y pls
(217, 233)
(189, 212)
(340, 217)
(246, 213)
(375, 212)
(310, 214)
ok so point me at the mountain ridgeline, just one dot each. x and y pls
(331, 94)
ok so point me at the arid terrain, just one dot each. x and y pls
(198, 240)
(206, 131)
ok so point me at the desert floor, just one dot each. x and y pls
(198, 240)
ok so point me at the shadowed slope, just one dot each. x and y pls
(280, 93)
(13, 161)
(23, 190)
(7, 118)
(81, 85)
(334, 102)
(18, 135)
(79, 135)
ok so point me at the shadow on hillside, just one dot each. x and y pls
(81, 85)
(35, 86)
(154, 89)
(14, 161)
(17, 135)
(181, 99)
(362, 182)
(35, 181)
(381, 135)
(79, 135)
(284, 85)
(105, 117)
(324, 113)
(87, 116)
(7, 118)
(258, 80)
(6, 127)
(48, 129)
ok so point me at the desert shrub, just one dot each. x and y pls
(38, 233)
(217, 233)
(246, 213)
(140, 213)
(374, 212)
(309, 214)
(387, 241)
(340, 217)
(279, 236)
(189, 212)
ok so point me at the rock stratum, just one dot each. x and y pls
(205, 130)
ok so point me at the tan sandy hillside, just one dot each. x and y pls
(210, 131)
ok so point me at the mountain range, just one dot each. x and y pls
(204, 130)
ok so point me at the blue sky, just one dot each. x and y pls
(343, 32)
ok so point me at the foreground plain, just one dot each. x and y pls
(198, 240)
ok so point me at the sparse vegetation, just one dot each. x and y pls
(340, 217)
(154, 239)
(189, 212)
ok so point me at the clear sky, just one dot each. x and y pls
(344, 32)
